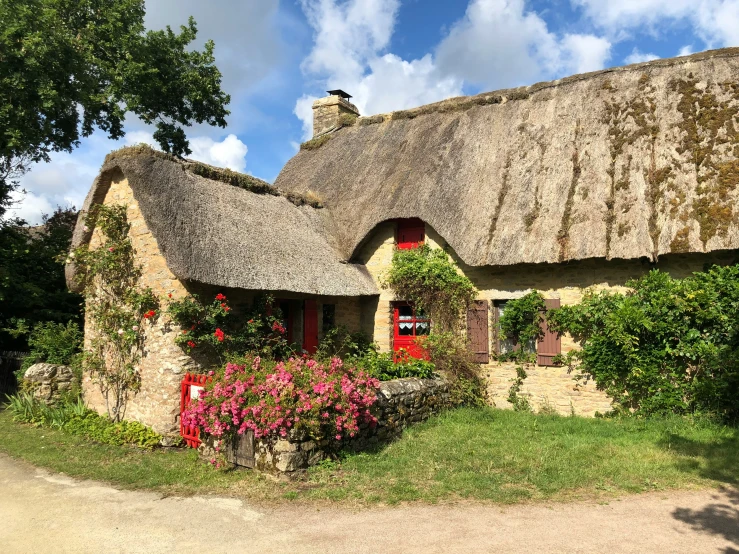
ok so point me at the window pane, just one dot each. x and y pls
(422, 328)
(405, 312)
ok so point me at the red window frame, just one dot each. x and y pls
(410, 233)
(408, 343)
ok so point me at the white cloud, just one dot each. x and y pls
(499, 44)
(716, 22)
(583, 53)
(686, 50)
(140, 137)
(304, 111)
(349, 53)
(496, 44)
(230, 152)
(638, 56)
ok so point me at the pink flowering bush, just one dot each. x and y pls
(328, 401)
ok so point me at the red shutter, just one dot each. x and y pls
(477, 331)
(310, 327)
(550, 344)
(411, 233)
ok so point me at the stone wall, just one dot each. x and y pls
(400, 403)
(48, 382)
(546, 386)
(162, 364)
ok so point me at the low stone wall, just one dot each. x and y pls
(48, 382)
(400, 403)
(546, 388)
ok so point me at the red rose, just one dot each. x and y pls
(219, 335)
(191, 344)
(220, 297)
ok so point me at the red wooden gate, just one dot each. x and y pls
(191, 386)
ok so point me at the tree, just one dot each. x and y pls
(70, 66)
(32, 286)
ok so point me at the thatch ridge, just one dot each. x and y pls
(599, 165)
(215, 233)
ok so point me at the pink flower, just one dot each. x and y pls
(111, 249)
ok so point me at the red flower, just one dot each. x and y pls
(219, 335)
(191, 344)
(277, 327)
(170, 295)
(250, 321)
(150, 313)
(220, 297)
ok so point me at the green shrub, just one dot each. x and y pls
(452, 357)
(53, 343)
(383, 366)
(668, 346)
(75, 418)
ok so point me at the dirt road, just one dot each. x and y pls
(44, 512)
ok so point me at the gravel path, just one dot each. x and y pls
(44, 512)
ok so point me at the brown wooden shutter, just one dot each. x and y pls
(477, 331)
(550, 344)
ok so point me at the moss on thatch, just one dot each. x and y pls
(315, 143)
(224, 175)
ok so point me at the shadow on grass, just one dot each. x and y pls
(716, 459)
(720, 518)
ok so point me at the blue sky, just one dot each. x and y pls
(277, 57)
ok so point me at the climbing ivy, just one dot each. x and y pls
(427, 278)
(117, 307)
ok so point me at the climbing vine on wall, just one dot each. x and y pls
(427, 278)
(118, 309)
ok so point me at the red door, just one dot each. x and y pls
(408, 326)
(310, 326)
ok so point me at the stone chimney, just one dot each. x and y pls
(328, 112)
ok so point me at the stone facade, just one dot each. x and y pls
(400, 403)
(48, 382)
(162, 364)
(327, 113)
(545, 386)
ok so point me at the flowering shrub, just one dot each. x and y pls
(214, 328)
(272, 398)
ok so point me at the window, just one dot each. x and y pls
(408, 325)
(410, 233)
(546, 348)
(502, 345)
(329, 318)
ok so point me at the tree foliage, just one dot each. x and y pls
(669, 345)
(70, 66)
(32, 284)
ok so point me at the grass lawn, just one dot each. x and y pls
(480, 454)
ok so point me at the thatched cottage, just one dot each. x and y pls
(583, 182)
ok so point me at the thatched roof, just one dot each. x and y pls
(623, 163)
(228, 230)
